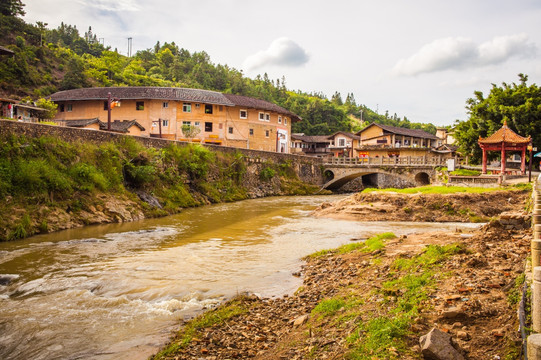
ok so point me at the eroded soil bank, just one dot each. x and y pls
(375, 303)
(455, 207)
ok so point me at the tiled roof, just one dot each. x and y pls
(121, 126)
(350, 135)
(403, 131)
(311, 139)
(82, 122)
(5, 51)
(248, 102)
(141, 93)
(505, 134)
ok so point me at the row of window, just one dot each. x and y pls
(186, 107)
(209, 127)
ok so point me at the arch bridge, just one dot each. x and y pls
(416, 170)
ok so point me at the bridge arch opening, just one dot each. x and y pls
(422, 178)
(328, 175)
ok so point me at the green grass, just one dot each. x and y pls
(465, 172)
(206, 320)
(412, 280)
(373, 243)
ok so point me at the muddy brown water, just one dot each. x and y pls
(118, 291)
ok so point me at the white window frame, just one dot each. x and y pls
(279, 119)
(285, 121)
(187, 107)
(197, 123)
(261, 116)
(267, 133)
(165, 122)
(69, 107)
(245, 114)
(267, 117)
(341, 142)
(184, 123)
(165, 105)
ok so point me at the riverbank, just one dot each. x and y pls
(376, 299)
(48, 184)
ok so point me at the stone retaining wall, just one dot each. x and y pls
(307, 168)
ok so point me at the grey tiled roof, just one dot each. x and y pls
(5, 51)
(248, 102)
(312, 139)
(142, 93)
(81, 122)
(403, 131)
(121, 126)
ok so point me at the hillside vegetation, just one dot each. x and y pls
(47, 184)
(48, 60)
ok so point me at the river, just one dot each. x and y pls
(117, 291)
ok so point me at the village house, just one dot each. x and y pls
(27, 112)
(182, 114)
(389, 141)
(344, 144)
(316, 145)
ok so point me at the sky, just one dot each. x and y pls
(419, 58)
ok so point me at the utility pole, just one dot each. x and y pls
(129, 46)
(108, 111)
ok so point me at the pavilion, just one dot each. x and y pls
(505, 140)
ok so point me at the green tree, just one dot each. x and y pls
(518, 104)
(12, 8)
(49, 105)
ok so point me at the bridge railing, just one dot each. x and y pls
(392, 161)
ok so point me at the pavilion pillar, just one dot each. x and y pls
(484, 160)
(523, 161)
(503, 159)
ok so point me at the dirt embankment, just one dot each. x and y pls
(457, 207)
(471, 294)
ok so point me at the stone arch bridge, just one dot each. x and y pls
(415, 170)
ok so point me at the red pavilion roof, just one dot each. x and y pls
(505, 135)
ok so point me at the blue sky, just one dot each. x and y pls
(419, 58)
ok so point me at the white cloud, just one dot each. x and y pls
(460, 53)
(281, 52)
(116, 5)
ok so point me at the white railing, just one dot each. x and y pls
(392, 161)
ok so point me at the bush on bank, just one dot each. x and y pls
(49, 173)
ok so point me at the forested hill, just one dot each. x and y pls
(48, 60)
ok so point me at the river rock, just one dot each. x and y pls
(436, 345)
(301, 320)
(6, 279)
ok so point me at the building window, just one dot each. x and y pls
(208, 127)
(266, 133)
(341, 142)
(221, 108)
(244, 114)
(61, 108)
(165, 122)
(279, 119)
(197, 123)
(251, 132)
(165, 105)
(262, 116)
(197, 106)
(139, 105)
(285, 121)
(208, 108)
(187, 107)
(186, 123)
(230, 130)
(267, 117)
(105, 103)
(69, 107)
